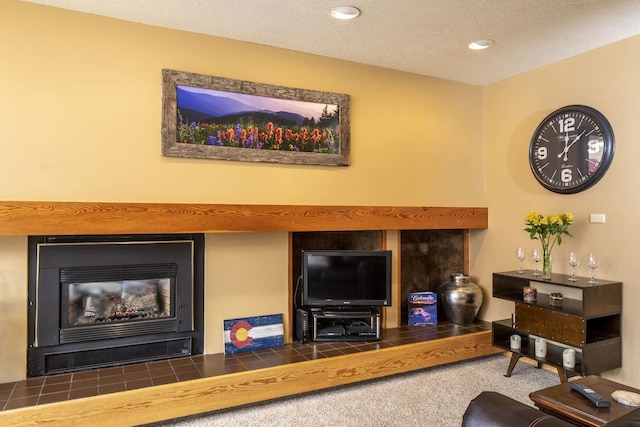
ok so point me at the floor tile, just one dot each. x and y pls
(61, 387)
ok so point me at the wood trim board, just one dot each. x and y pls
(65, 218)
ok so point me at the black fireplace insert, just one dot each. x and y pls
(97, 301)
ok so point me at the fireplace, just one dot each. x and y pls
(97, 301)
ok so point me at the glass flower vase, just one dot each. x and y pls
(546, 264)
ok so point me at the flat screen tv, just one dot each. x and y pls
(344, 278)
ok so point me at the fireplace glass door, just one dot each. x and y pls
(121, 301)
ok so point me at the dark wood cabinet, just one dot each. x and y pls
(588, 320)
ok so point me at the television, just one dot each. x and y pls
(346, 278)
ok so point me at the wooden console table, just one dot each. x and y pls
(589, 323)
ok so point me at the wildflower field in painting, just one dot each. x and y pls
(224, 119)
(265, 137)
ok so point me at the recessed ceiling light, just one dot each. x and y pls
(345, 12)
(481, 44)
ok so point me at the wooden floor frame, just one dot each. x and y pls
(163, 402)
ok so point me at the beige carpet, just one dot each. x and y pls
(434, 397)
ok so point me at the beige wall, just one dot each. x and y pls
(81, 110)
(81, 121)
(605, 79)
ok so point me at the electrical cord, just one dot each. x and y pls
(295, 292)
(359, 324)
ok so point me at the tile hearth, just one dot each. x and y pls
(63, 387)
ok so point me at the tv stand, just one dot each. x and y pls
(353, 324)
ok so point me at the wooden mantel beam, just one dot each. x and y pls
(47, 218)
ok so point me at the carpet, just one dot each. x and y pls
(433, 397)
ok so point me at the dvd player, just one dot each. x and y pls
(358, 329)
(367, 334)
(330, 331)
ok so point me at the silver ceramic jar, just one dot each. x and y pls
(461, 299)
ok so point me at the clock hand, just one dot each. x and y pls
(576, 139)
(566, 147)
(566, 141)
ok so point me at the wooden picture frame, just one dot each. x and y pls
(206, 117)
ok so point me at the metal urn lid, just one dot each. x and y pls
(459, 277)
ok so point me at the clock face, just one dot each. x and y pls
(571, 149)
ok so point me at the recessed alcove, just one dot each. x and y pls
(427, 259)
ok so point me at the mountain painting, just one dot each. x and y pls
(228, 119)
(209, 117)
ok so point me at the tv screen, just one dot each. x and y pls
(346, 278)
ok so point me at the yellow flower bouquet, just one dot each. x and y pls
(549, 230)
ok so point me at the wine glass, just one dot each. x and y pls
(520, 254)
(573, 262)
(592, 263)
(535, 256)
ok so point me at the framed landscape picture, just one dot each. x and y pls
(208, 117)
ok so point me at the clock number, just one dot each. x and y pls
(567, 124)
(595, 145)
(541, 153)
(566, 175)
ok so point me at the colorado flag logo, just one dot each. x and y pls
(253, 333)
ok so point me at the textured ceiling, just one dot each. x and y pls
(427, 37)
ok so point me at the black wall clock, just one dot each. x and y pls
(571, 149)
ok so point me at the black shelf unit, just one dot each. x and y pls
(590, 323)
(345, 325)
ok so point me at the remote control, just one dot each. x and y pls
(595, 398)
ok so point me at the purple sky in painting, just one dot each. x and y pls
(306, 109)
